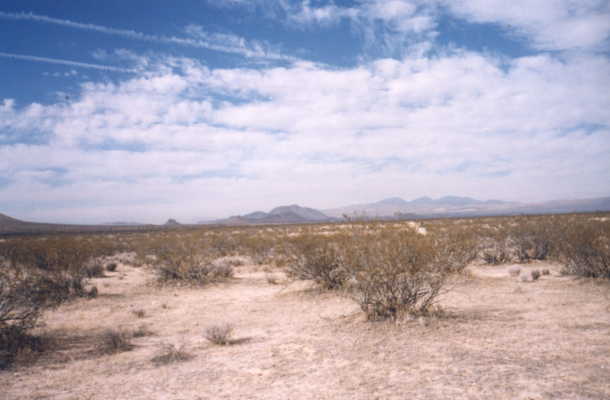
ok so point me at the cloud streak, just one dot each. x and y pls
(48, 60)
(245, 48)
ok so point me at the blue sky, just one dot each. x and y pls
(138, 110)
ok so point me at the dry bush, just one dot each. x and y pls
(169, 354)
(533, 237)
(94, 269)
(25, 292)
(494, 248)
(219, 334)
(401, 273)
(584, 247)
(185, 260)
(62, 265)
(319, 259)
(19, 312)
(115, 341)
(142, 331)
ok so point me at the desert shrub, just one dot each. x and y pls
(142, 331)
(24, 295)
(260, 247)
(584, 248)
(115, 341)
(535, 274)
(494, 249)
(185, 260)
(111, 267)
(219, 334)
(62, 265)
(94, 269)
(403, 272)
(19, 312)
(169, 353)
(319, 259)
(533, 237)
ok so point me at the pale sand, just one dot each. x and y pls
(500, 339)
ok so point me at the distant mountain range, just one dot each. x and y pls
(292, 214)
(390, 208)
(13, 226)
(395, 206)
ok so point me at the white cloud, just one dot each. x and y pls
(165, 144)
(551, 24)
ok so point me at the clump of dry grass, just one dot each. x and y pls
(142, 331)
(169, 354)
(220, 334)
(535, 274)
(115, 341)
(140, 313)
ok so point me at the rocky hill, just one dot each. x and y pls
(292, 214)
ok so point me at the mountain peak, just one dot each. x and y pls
(394, 201)
(457, 200)
(424, 199)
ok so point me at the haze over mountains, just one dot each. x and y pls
(393, 207)
(422, 205)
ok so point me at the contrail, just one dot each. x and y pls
(131, 34)
(64, 62)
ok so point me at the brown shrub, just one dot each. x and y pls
(115, 341)
(219, 334)
(584, 248)
(169, 353)
(185, 260)
(402, 273)
(319, 259)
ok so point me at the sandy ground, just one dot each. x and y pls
(498, 339)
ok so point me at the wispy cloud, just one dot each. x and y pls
(549, 25)
(387, 27)
(245, 48)
(48, 60)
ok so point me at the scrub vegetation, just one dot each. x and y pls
(392, 271)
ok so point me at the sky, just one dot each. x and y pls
(145, 110)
